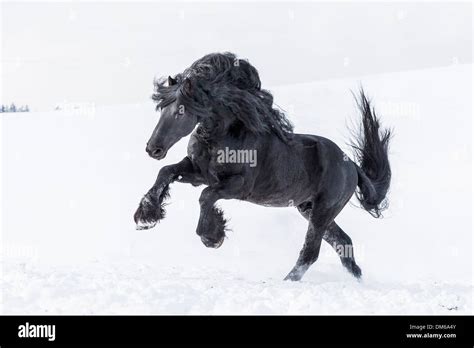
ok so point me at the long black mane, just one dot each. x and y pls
(221, 84)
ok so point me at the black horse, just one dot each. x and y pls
(244, 148)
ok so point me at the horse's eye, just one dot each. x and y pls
(178, 114)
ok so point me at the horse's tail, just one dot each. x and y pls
(371, 151)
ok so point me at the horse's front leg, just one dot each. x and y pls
(151, 208)
(211, 226)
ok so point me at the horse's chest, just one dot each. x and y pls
(214, 168)
(209, 162)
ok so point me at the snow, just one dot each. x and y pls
(140, 289)
(72, 180)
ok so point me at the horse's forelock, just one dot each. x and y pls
(164, 94)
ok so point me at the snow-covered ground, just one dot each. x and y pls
(71, 181)
(138, 289)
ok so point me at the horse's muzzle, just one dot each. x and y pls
(156, 152)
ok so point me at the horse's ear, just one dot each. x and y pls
(171, 81)
(188, 86)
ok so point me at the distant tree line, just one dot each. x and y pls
(14, 108)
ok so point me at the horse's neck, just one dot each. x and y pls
(213, 131)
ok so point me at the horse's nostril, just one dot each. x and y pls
(158, 151)
(155, 152)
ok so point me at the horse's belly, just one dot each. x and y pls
(288, 198)
(272, 203)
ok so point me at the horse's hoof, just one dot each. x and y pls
(292, 277)
(148, 214)
(145, 225)
(356, 271)
(352, 267)
(295, 275)
(212, 244)
(144, 219)
(218, 245)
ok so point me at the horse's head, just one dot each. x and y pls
(175, 122)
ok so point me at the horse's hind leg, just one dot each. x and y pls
(342, 244)
(319, 221)
(338, 240)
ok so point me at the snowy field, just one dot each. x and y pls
(71, 181)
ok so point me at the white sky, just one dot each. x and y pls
(108, 53)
